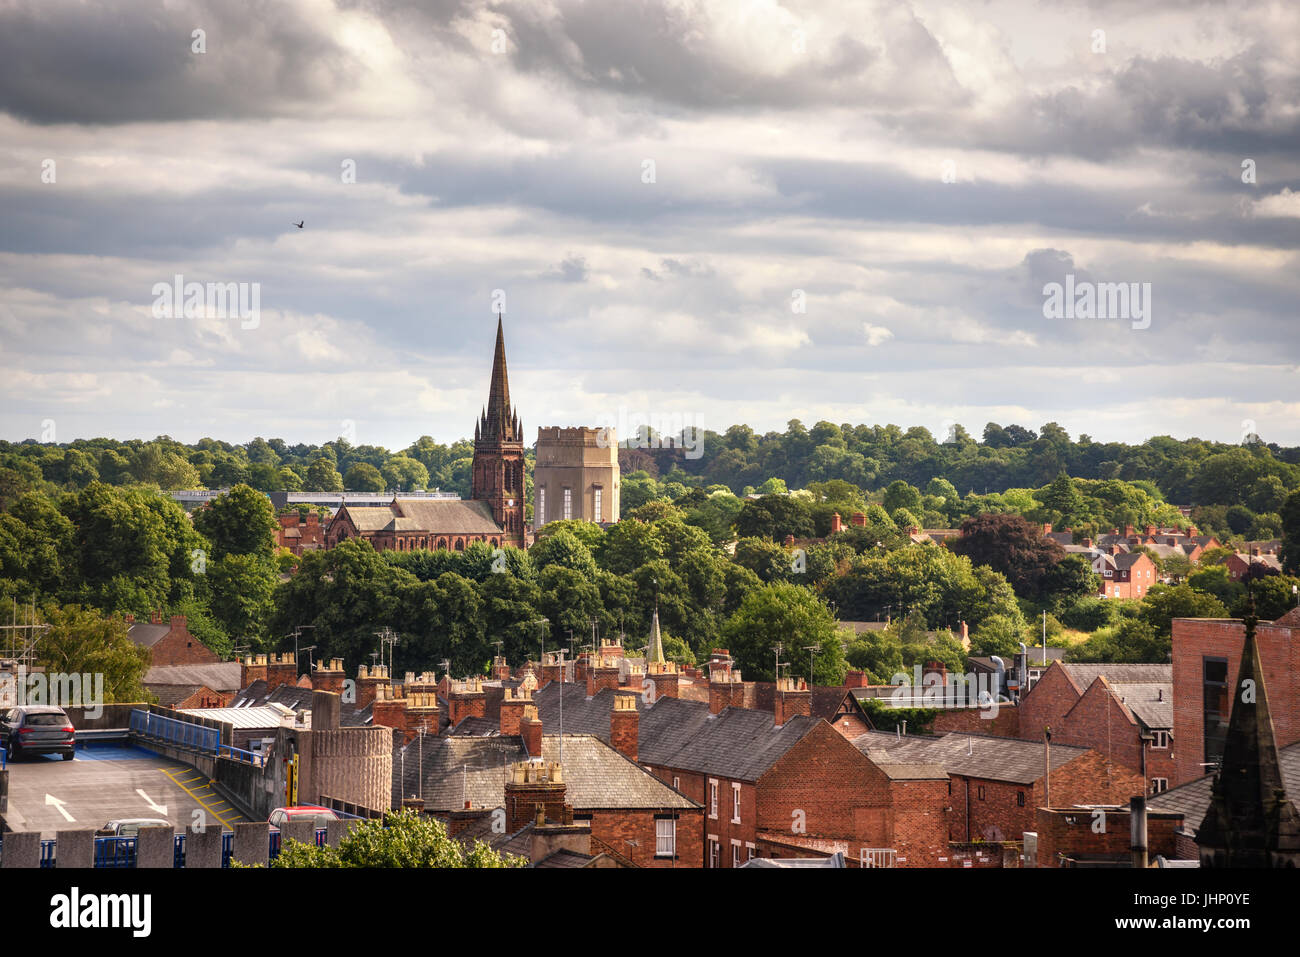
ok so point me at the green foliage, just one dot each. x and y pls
(83, 641)
(405, 839)
(885, 718)
(792, 615)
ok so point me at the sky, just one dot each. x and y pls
(687, 210)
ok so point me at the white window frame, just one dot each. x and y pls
(596, 502)
(665, 837)
(1159, 785)
(735, 804)
(713, 798)
(753, 852)
(735, 853)
(1160, 740)
(540, 517)
(677, 784)
(568, 504)
(715, 851)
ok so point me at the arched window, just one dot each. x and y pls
(460, 544)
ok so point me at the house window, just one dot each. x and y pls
(677, 784)
(735, 853)
(752, 853)
(715, 852)
(597, 513)
(1159, 785)
(1214, 676)
(980, 795)
(665, 837)
(1159, 740)
(568, 504)
(1020, 798)
(735, 804)
(713, 798)
(541, 507)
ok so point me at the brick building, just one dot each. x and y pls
(298, 535)
(1124, 711)
(1206, 657)
(169, 643)
(995, 784)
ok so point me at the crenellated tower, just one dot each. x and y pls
(498, 474)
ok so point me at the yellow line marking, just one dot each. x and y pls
(204, 804)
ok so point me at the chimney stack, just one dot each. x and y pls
(855, 679)
(550, 668)
(500, 669)
(726, 690)
(388, 710)
(368, 680)
(624, 725)
(792, 696)
(836, 523)
(664, 678)
(422, 714)
(602, 673)
(512, 709)
(859, 519)
(466, 699)
(155, 618)
(530, 729)
(282, 669)
(328, 677)
(533, 783)
(251, 668)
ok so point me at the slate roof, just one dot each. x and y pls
(476, 727)
(299, 699)
(975, 755)
(826, 700)
(1147, 690)
(1192, 799)
(437, 516)
(1116, 674)
(739, 743)
(145, 635)
(456, 769)
(169, 695)
(565, 858)
(219, 676)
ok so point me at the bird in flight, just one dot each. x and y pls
(299, 225)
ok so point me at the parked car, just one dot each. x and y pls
(37, 729)
(130, 827)
(303, 812)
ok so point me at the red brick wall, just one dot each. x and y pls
(615, 828)
(1047, 703)
(851, 726)
(1072, 832)
(1100, 722)
(179, 647)
(1194, 639)
(1005, 724)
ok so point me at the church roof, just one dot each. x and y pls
(432, 516)
(499, 422)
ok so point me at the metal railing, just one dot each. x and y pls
(183, 734)
(122, 852)
(239, 754)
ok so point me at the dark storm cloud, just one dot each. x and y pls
(64, 62)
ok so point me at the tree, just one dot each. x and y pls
(240, 522)
(322, 476)
(1291, 534)
(1063, 499)
(82, 641)
(405, 473)
(902, 495)
(404, 839)
(364, 477)
(563, 548)
(1163, 603)
(1012, 546)
(795, 617)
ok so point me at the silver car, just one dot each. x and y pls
(37, 729)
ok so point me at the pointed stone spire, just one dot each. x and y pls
(499, 421)
(1250, 822)
(655, 653)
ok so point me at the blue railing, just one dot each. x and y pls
(183, 734)
(47, 853)
(239, 754)
(114, 852)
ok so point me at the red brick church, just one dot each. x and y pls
(494, 512)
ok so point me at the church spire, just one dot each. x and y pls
(499, 422)
(1250, 822)
(655, 653)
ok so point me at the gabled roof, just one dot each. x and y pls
(171, 695)
(431, 516)
(1192, 799)
(740, 743)
(975, 755)
(299, 699)
(219, 676)
(1085, 673)
(458, 769)
(146, 636)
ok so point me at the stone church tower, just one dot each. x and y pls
(498, 474)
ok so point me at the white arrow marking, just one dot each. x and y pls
(51, 799)
(160, 808)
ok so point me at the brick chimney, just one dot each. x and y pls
(282, 669)
(532, 783)
(580, 669)
(466, 699)
(500, 669)
(726, 690)
(624, 722)
(512, 709)
(859, 519)
(1129, 531)
(530, 729)
(611, 649)
(914, 530)
(1191, 531)
(791, 696)
(251, 668)
(551, 836)
(550, 668)
(368, 680)
(129, 619)
(836, 523)
(719, 660)
(422, 713)
(665, 677)
(855, 679)
(328, 677)
(602, 673)
(389, 710)
(934, 668)
(1151, 531)
(155, 617)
